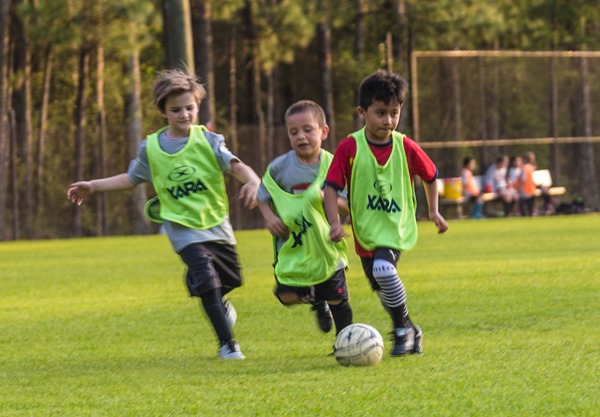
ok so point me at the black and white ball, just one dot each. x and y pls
(358, 344)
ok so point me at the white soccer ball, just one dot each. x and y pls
(358, 344)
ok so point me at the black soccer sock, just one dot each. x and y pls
(342, 315)
(213, 306)
(400, 316)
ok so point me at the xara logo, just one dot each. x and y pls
(184, 174)
(304, 226)
(186, 188)
(380, 202)
(181, 173)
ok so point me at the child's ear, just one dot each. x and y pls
(324, 132)
(361, 111)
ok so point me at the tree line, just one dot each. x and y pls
(76, 79)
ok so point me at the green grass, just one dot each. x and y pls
(104, 327)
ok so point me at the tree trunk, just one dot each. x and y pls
(14, 180)
(177, 32)
(79, 121)
(324, 54)
(133, 116)
(233, 106)
(585, 151)
(483, 152)
(203, 54)
(359, 48)
(24, 125)
(41, 138)
(270, 120)
(4, 128)
(554, 118)
(254, 85)
(101, 171)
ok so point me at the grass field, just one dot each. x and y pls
(104, 327)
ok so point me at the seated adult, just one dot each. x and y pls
(496, 182)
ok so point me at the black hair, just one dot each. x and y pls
(382, 85)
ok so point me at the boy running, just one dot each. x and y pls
(377, 165)
(309, 268)
(185, 164)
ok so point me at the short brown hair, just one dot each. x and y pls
(174, 82)
(307, 105)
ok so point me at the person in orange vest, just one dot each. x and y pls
(471, 190)
(527, 186)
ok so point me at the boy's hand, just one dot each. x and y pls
(79, 191)
(248, 194)
(276, 227)
(439, 221)
(336, 233)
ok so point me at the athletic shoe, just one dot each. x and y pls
(230, 313)
(407, 340)
(324, 317)
(418, 347)
(231, 350)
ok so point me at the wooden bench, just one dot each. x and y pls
(541, 177)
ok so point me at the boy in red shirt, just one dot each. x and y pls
(377, 165)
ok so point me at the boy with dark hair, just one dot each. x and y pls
(377, 165)
(185, 164)
(309, 267)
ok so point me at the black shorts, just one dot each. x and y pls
(390, 255)
(211, 265)
(334, 288)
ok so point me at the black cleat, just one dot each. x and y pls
(418, 347)
(324, 318)
(407, 340)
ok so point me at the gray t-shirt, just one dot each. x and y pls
(182, 236)
(291, 174)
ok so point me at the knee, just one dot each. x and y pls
(383, 268)
(289, 298)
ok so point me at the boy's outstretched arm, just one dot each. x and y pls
(330, 201)
(251, 181)
(431, 192)
(79, 191)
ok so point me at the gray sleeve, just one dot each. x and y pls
(139, 169)
(223, 154)
(263, 195)
(275, 167)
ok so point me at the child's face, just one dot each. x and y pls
(306, 136)
(180, 111)
(380, 120)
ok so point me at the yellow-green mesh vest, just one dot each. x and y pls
(308, 257)
(382, 197)
(189, 184)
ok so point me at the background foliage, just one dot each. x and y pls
(76, 88)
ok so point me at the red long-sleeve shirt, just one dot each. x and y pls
(340, 171)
